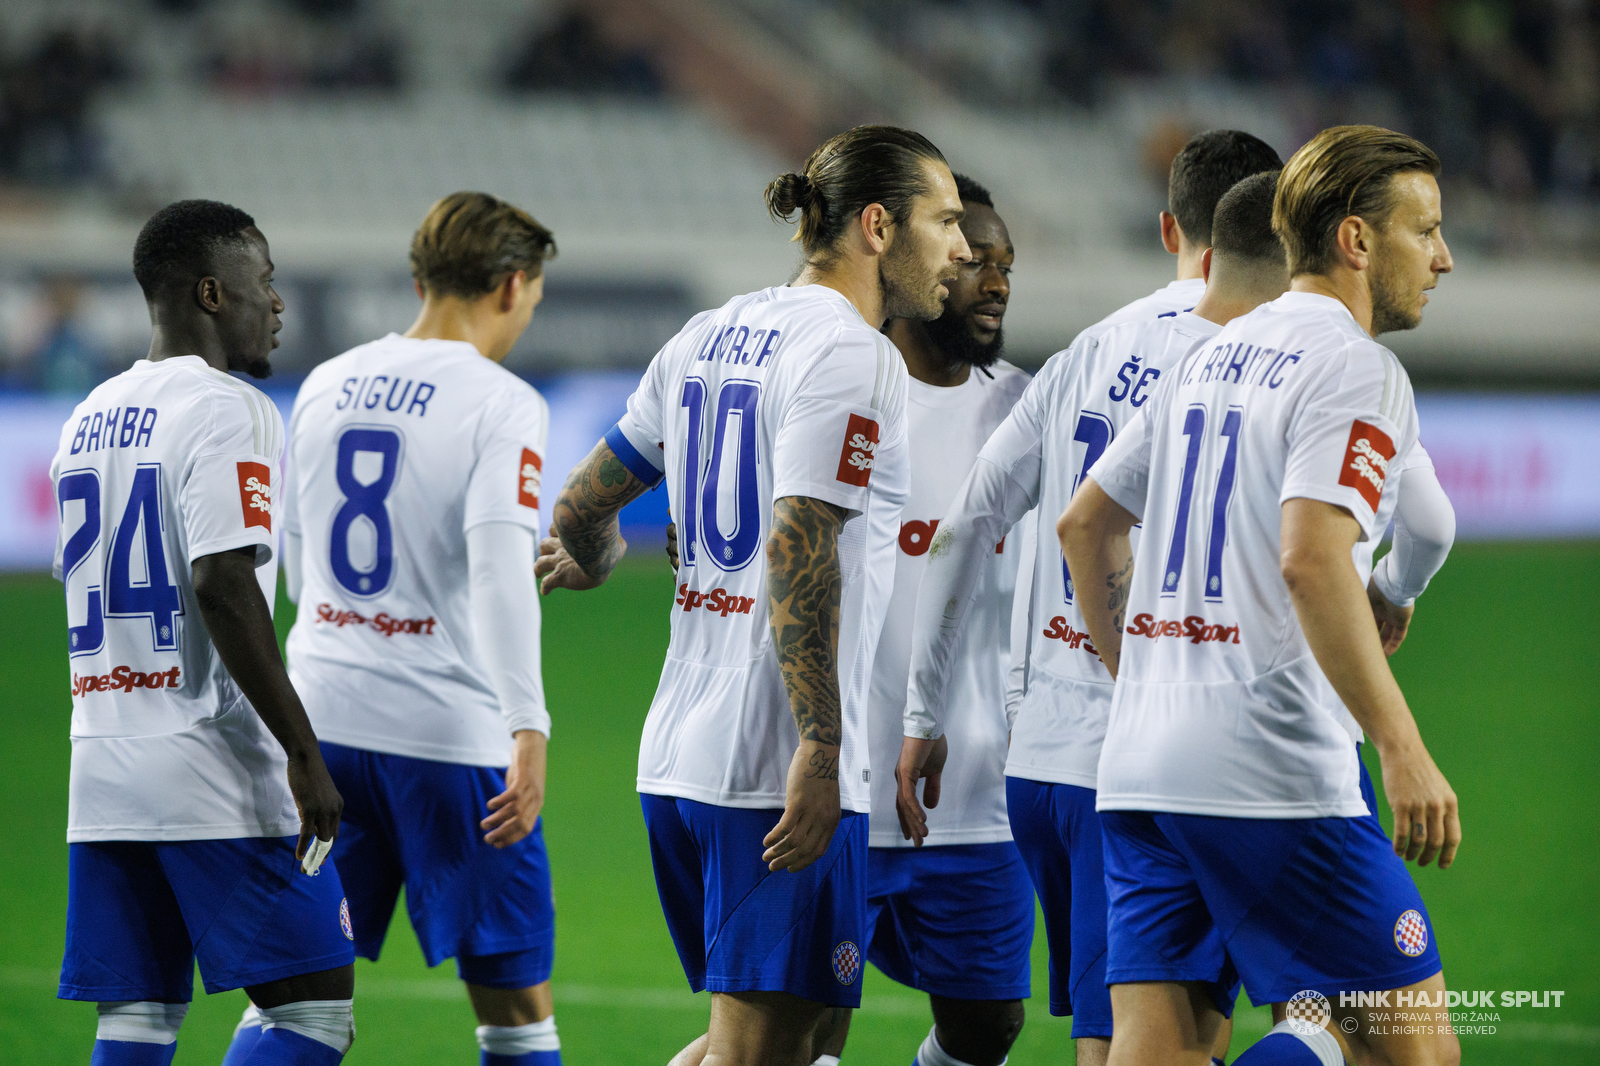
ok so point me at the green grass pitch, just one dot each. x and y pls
(1502, 670)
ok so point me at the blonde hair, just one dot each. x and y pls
(470, 241)
(1342, 171)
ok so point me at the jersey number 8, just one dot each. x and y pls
(701, 527)
(366, 497)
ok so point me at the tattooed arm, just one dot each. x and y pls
(1094, 540)
(804, 588)
(585, 521)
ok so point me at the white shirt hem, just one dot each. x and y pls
(232, 831)
(1051, 776)
(1263, 811)
(410, 749)
(742, 800)
(990, 835)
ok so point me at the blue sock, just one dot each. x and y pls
(131, 1053)
(531, 1058)
(245, 1039)
(281, 1047)
(1278, 1049)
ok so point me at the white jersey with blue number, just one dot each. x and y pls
(782, 392)
(947, 427)
(1220, 707)
(396, 449)
(163, 464)
(1078, 404)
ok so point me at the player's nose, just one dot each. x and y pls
(1443, 262)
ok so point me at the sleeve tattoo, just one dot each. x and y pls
(1118, 584)
(585, 514)
(804, 587)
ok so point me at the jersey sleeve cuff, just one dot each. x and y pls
(534, 718)
(263, 543)
(1349, 499)
(640, 464)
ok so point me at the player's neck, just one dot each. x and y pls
(455, 320)
(923, 360)
(1346, 286)
(1189, 261)
(855, 281)
(171, 340)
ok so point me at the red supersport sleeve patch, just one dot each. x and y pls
(860, 447)
(529, 472)
(255, 494)
(1366, 461)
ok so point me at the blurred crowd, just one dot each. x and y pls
(1508, 91)
(45, 91)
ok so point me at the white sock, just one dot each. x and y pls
(1321, 1043)
(826, 1060)
(932, 1053)
(327, 1021)
(140, 1021)
(250, 1019)
(519, 1039)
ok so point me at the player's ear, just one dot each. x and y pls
(875, 225)
(1205, 266)
(1171, 233)
(208, 294)
(1354, 239)
(511, 290)
(416, 286)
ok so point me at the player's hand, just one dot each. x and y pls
(316, 798)
(1427, 822)
(919, 760)
(810, 809)
(672, 543)
(513, 813)
(554, 569)
(1392, 621)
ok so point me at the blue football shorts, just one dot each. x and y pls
(1058, 833)
(414, 822)
(952, 920)
(141, 912)
(1287, 905)
(739, 927)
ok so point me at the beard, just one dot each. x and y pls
(257, 366)
(1389, 313)
(953, 338)
(910, 289)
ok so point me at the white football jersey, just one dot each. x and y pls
(396, 449)
(166, 462)
(947, 427)
(782, 392)
(1171, 298)
(1220, 707)
(1078, 404)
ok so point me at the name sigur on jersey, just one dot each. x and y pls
(100, 430)
(1244, 364)
(736, 344)
(366, 393)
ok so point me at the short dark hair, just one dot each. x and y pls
(471, 241)
(1208, 166)
(180, 241)
(1342, 171)
(971, 192)
(1242, 226)
(861, 166)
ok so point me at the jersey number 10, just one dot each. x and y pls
(700, 528)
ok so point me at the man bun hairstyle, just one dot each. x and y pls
(1241, 230)
(178, 245)
(1342, 171)
(1206, 168)
(971, 192)
(861, 166)
(470, 242)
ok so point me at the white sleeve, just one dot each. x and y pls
(988, 504)
(1424, 530)
(505, 619)
(1027, 534)
(292, 574)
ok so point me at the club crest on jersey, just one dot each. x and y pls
(255, 494)
(1411, 933)
(846, 963)
(1366, 461)
(528, 474)
(860, 448)
(344, 919)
